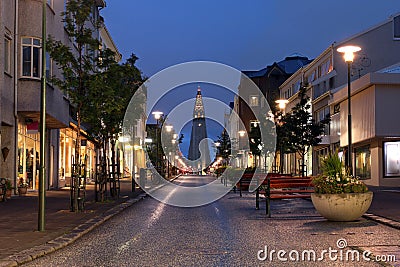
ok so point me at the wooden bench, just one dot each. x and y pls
(259, 178)
(284, 188)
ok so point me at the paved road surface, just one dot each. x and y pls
(228, 232)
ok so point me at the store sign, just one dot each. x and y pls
(32, 128)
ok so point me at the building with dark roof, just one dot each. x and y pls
(268, 81)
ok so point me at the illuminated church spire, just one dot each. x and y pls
(199, 152)
(198, 111)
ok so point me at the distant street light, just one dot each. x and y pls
(348, 52)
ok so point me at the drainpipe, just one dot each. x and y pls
(16, 37)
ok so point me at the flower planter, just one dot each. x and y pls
(22, 191)
(8, 193)
(342, 207)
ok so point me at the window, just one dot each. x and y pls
(312, 77)
(396, 27)
(363, 162)
(49, 67)
(326, 67)
(7, 54)
(296, 87)
(31, 57)
(392, 159)
(253, 101)
(322, 115)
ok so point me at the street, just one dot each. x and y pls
(228, 232)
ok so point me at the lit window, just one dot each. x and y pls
(392, 159)
(253, 101)
(31, 57)
(7, 52)
(363, 162)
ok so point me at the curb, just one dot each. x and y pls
(382, 220)
(60, 242)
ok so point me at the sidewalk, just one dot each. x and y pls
(18, 224)
(19, 217)
(386, 204)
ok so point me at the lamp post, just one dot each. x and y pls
(157, 116)
(42, 169)
(168, 156)
(282, 105)
(348, 52)
(241, 134)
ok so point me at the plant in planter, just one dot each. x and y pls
(22, 187)
(338, 195)
(9, 188)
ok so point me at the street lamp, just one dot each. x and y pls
(348, 52)
(282, 105)
(157, 115)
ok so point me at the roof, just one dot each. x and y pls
(292, 63)
(289, 65)
(391, 69)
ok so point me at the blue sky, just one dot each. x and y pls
(247, 35)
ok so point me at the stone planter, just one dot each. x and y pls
(22, 191)
(8, 193)
(342, 207)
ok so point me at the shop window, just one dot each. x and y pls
(363, 162)
(391, 152)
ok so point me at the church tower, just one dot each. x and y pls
(199, 151)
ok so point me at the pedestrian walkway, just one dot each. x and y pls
(19, 216)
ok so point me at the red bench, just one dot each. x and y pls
(284, 188)
(260, 179)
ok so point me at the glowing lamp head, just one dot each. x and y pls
(169, 128)
(242, 133)
(282, 103)
(157, 114)
(348, 52)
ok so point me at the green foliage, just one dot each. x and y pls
(332, 165)
(224, 150)
(255, 140)
(336, 179)
(111, 89)
(9, 185)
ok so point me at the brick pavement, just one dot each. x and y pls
(19, 217)
(18, 223)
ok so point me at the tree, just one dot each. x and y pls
(297, 130)
(224, 148)
(111, 89)
(77, 61)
